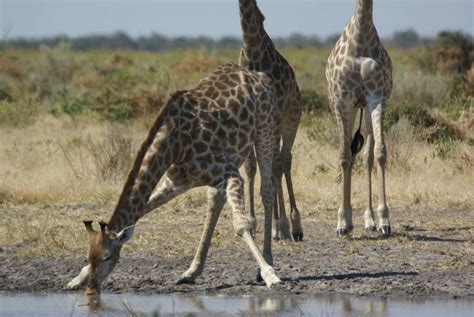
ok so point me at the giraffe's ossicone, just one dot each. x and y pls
(200, 138)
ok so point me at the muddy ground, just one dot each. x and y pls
(430, 253)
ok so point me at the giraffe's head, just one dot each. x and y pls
(104, 250)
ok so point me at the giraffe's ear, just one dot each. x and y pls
(124, 235)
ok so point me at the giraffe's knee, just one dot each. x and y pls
(241, 224)
(345, 159)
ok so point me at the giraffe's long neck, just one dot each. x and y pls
(363, 31)
(363, 13)
(157, 153)
(251, 20)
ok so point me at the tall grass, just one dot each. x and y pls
(70, 122)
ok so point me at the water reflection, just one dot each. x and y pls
(260, 305)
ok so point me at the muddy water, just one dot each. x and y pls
(265, 305)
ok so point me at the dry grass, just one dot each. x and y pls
(59, 149)
(59, 161)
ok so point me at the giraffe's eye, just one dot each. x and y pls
(106, 258)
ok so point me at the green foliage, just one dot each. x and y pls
(313, 102)
(54, 70)
(456, 38)
(416, 115)
(118, 112)
(426, 126)
(449, 53)
(321, 168)
(17, 114)
(4, 96)
(322, 129)
(420, 87)
(444, 144)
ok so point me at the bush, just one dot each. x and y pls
(17, 114)
(322, 129)
(453, 52)
(428, 127)
(420, 87)
(55, 70)
(313, 102)
(4, 96)
(118, 112)
(112, 155)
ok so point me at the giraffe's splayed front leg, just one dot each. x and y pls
(79, 280)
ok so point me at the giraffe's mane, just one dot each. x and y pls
(260, 15)
(132, 176)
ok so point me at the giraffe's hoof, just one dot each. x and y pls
(341, 232)
(185, 281)
(385, 230)
(370, 229)
(259, 277)
(344, 231)
(297, 235)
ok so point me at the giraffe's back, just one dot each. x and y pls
(276, 67)
(358, 69)
(222, 114)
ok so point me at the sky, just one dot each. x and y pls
(217, 18)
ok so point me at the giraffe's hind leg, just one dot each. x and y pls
(345, 116)
(216, 199)
(281, 225)
(377, 109)
(290, 127)
(369, 163)
(250, 171)
(282, 220)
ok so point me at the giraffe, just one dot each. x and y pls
(359, 75)
(200, 138)
(259, 53)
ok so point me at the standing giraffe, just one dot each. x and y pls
(200, 138)
(259, 53)
(359, 74)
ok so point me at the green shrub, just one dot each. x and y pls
(322, 129)
(449, 53)
(4, 96)
(313, 102)
(75, 106)
(17, 114)
(420, 87)
(426, 126)
(118, 112)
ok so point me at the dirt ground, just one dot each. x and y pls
(430, 253)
